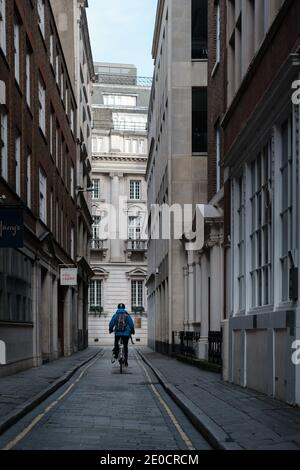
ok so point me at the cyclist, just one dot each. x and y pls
(123, 326)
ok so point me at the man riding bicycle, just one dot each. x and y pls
(123, 326)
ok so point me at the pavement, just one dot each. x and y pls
(229, 416)
(21, 392)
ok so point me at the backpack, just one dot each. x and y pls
(121, 323)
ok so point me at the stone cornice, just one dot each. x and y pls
(119, 158)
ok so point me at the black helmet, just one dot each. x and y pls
(121, 306)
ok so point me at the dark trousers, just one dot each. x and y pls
(116, 348)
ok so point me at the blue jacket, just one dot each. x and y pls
(129, 328)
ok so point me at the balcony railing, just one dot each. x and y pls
(96, 244)
(137, 246)
(121, 126)
(126, 80)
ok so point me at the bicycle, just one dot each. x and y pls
(121, 356)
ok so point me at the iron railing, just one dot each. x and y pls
(121, 126)
(184, 342)
(137, 245)
(126, 80)
(215, 347)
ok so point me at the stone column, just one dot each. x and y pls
(197, 311)
(186, 298)
(191, 296)
(68, 323)
(54, 318)
(115, 243)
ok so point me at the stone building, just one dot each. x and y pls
(177, 164)
(37, 178)
(71, 20)
(119, 258)
(261, 164)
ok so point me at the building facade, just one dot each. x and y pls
(73, 29)
(119, 256)
(38, 152)
(177, 165)
(261, 146)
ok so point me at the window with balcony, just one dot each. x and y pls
(199, 29)
(134, 228)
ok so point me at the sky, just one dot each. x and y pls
(122, 31)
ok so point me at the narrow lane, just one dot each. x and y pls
(99, 409)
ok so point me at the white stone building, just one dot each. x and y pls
(120, 107)
(177, 165)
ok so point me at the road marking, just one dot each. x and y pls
(181, 432)
(38, 418)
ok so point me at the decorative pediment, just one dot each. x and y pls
(137, 273)
(100, 272)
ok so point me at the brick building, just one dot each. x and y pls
(261, 146)
(38, 173)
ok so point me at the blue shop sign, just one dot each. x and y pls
(11, 227)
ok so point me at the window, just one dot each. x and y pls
(41, 15)
(72, 120)
(62, 91)
(28, 178)
(51, 48)
(142, 148)
(72, 242)
(96, 189)
(42, 106)
(43, 197)
(72, 180)
(130, 122)
(199, 109)
(18, 164)
(286, 213)
(51, 132)
(261, 228)
(51, 211)
(57, 146)
(28, 76)
(96, 228)
(3, 145)
(57, 67)
(56, 220)
(2, 26)
(120, 100)
(241, 243)
(137, 297)
(218, 158)
(218, 33)
(95, 296)
(199, 29)
(134, 228)
(135, 190)
(17, 49)
(67, 100)
(97, 144)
